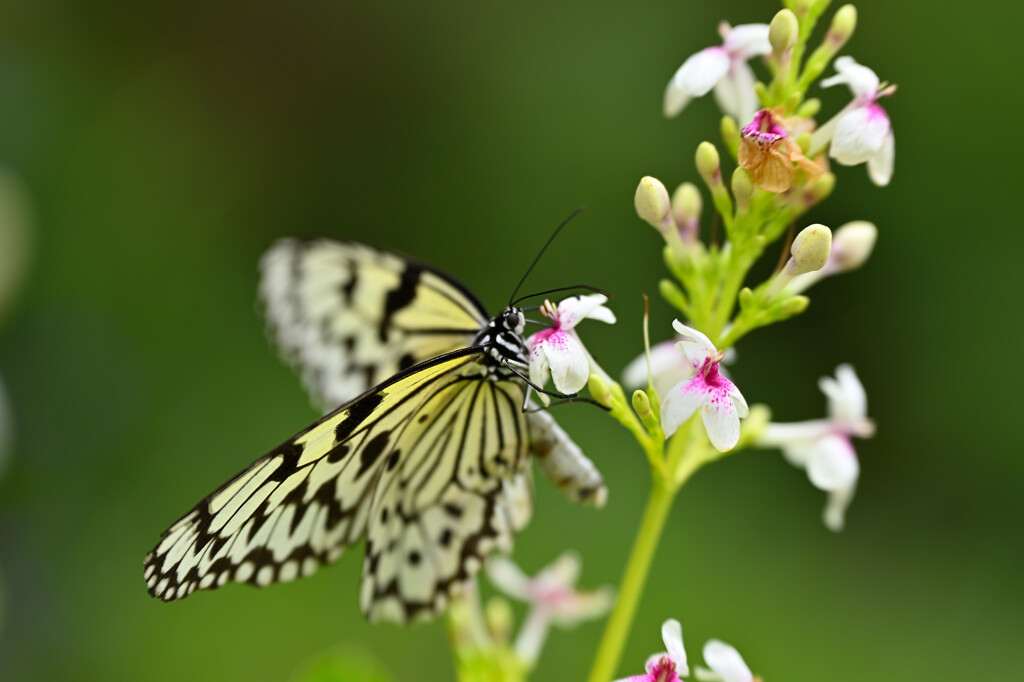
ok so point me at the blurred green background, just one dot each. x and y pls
(163, 146)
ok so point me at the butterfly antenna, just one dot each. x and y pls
(586, 287)
(543, 249)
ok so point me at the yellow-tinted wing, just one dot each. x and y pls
(434, 461)
(349, 316)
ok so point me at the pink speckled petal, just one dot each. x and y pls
(834, 463)
(539, 368)
(721, 422)
(681, 401)
(737, 399)
(568, 361)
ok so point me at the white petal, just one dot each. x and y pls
(668, 368)
(721, 422)
(508, 577)
(567, 360)
(680, 402)
(834, 463)
(564, 571)
(735, 93)
(835, 509)
(863, 82)
(538, 361)
(798, 452)
(695, 78)
(747, 40)
(672, 635)
(782, 435)
(860, 134)
(573, 310)
(880, 165)
(726, 661)
(847, 400)
(705, 675)
(738, 400)
(694, 344)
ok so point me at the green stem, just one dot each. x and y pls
(632, 587)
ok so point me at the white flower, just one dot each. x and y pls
(725, 662)
(558, 350)
(670, 665)
(668, 367)
(723, 68)
(861, 132)
(552, 597)
(720, 403)
(824, 446)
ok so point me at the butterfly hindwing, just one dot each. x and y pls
(349, 316)
(304, 502)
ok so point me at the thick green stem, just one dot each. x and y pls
(632, 587)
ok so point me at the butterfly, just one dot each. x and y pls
(427, 457)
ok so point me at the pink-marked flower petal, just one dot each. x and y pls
(726, 661)
(747, 40)
(834, 463)
(695, 78)
(694, 344)
(539, 368)
(568, 361)
(737, 398)
(672, 635)
(735, 94)
(880, 165)
(860, 135)
(681, 401)
(847, 400)
(862, 81)
(721, 422)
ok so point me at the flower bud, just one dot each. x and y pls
(809, 108)
(708, 164)
(652, 204)
(498, 616)
(686, 210)
(600, 390)
(801, 7)
(852, 244)
(730, 131)
(843, 24)
(794, 305)
(742, 188)
(810, 250)
(642, 407)
(783, 33)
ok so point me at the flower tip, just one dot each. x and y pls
(843, 24)
(652, 203)
(708, 162)
(810, 250)
(686, 204)
(783, 33)
(853, 244)
(600, 390)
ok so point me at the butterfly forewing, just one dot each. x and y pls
(350, 316)
(301, 504)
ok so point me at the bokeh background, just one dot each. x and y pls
(160, 147)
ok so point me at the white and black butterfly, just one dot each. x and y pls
(428, 456)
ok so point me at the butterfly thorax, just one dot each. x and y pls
(503, 337)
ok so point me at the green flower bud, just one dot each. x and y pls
(498, 616)
(652, 204)
(809, 108)
(794, 305)
(810, 250)
(686, 209)
(708, 164)
(742, 188)
(600, 390)
(843, 24)
(730, 134)
(783, 33)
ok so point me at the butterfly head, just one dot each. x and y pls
(503, 336)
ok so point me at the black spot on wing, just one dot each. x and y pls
(358, 411)
(371, 452)
(399, 297)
